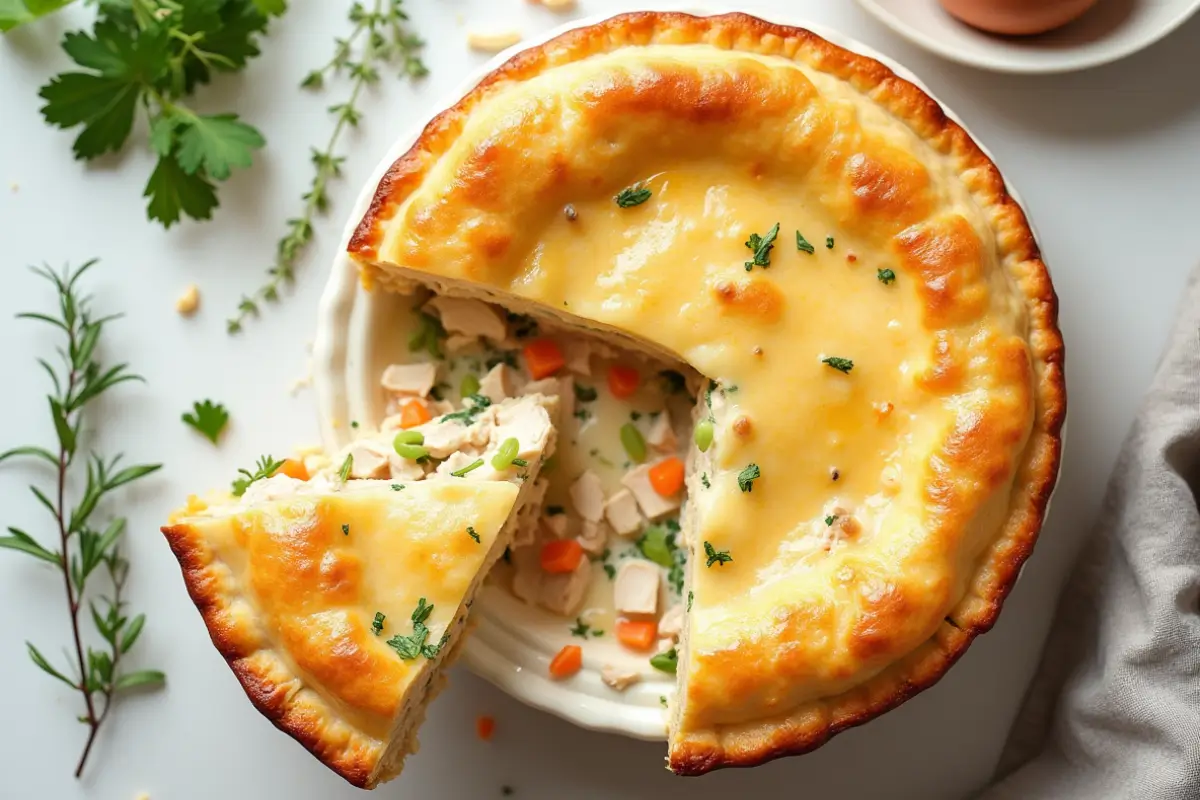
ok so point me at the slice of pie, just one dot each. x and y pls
(338, 601)
(881, 429)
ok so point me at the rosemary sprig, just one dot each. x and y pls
(380, 36)
(82, 548)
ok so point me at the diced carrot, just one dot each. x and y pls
(293, 468)
(485, 726)
(667, 476)
(561, 555)
(623, 381)
(543, 358)
(637, 634)
(566, 662)
(414, 413)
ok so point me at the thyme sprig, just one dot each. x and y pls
(380, 36)
(83, 547)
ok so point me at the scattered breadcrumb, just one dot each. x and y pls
(555, 5)
(142, 796)
(189, 301)
(304, 381)
(492, 41)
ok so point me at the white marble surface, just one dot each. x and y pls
(1107, 161)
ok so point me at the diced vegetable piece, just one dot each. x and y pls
(469, 385)
(414, 413)
(655, 546)
(667, 476)
(293, 468)
(408, 445)
(566, 662)
(543, 357)
(632, 441)
(506, 453)
(667, 662)
(561, 556)
(703, 435)
(623, 381)
(637, 634)
(462, 473)
(485, 726)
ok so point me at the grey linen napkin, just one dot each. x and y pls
(1114, 710)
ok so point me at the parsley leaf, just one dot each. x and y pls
(216, 144)
(413, 645)
(345, 529)
(471, 532)
(762, 245)
(748, 476)
(208, 418)
(718, 557)
(266, 467)
(886, 276)
(585, 394)
(830, 520)
(478, 402)
(632, 196)
(840, 364)
(377, 623)
(704, 480)
(803, 244)
(173, 192)
(829, 242)
(18, 12)
(580, 628)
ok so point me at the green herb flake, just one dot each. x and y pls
(474, 465)
(476, 403)
(266, 467)
(714, 556)
(397, 487)
(208, 418)
(843, 365)
(704, 480)
(377, 623)
(610, 571)
(471, 532)
(347, 466)
(829, 242)
(830, 520)
(345, 529)
(415, 644)
(580, 628)
(585, 394)
(803, 244)
(632, 196)
(761, 247)
(689, 603)
(748, 476)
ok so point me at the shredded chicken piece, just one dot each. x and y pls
(636, 588)
(409, 379)
(653, 504)
(370, 459)
(621, 511)
(593, 536)
(619, 678)
(474, 318)
(587, 495)
(671, 624)
(662, 435)
(499, 384)
(563, 593)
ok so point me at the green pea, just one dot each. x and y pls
(506, 453)
(408, 445)
(655, 546)
(632, 441)
(469, 385)
(703, 435)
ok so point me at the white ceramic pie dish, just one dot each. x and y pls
(513, 643)
(1111, 30)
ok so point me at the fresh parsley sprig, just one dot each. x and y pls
(84, 545)
(149, 55)
(379, 37)
(761, 247)
(208, 418)
(265, 468)
(413, 645)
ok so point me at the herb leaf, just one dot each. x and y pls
(377, 623)
(471, 532)
(762, 245)
(266, 467)
(803, 244)
(585, 394)
(748, 476)
(718, 557)
(208, 418)
(632, 196)
(840, 364)
(886, 276)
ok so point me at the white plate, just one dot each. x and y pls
(513, 643)
(1111, 30)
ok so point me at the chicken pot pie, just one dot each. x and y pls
(880, 432)
(338, 599)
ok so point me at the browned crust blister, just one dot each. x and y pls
(1036, 467)
(269, 684)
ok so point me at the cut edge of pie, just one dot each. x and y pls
(1034, 474)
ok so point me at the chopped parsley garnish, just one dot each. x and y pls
(471, 532)
(583, 415)
(428, 335)
(840, 364)
(803, 244)
(354, 424)
(474, 465)
(267, 467)
(377, 624)
(718, 557)
(689, 605)
(748, 476)
(520, 462)
(208, 418)
(761, 246)
(632, 196)
(829, 242)
(344, 470)
(662, 699)
(673, 382)
(580, 628)
(397, 487)
(886, 276)
(413, 645)
(584, 394)
(345, 529)
(610, 571)
(832, 518)
(553, 511)
(704, 480)
(524, 326)
(477, 403)
(666, 662)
